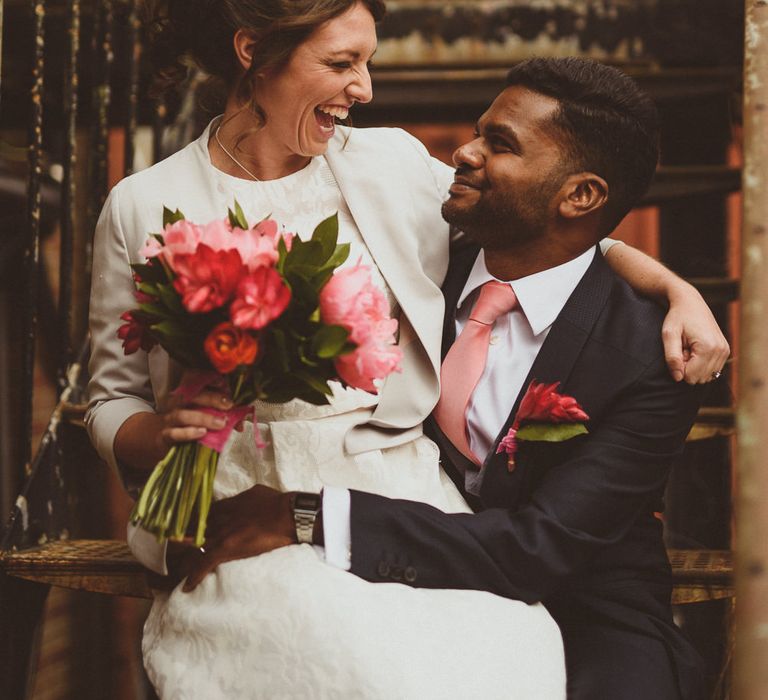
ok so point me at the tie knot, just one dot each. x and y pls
(496, 298)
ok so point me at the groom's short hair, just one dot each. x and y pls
(609, 126)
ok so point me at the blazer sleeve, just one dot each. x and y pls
(581, 506)
(119, 385)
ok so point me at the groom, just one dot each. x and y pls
(564, 152)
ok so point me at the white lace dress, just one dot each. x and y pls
(288, 625)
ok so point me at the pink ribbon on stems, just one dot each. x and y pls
(216, 439)
(192, 385)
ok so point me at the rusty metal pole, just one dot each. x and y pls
(751, 654)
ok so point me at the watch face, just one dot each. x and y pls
(307, 501)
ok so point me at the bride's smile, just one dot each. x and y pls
(325, 76)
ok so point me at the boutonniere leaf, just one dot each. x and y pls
(548, 432)
(545, 415)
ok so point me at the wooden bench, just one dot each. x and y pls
(107, 566)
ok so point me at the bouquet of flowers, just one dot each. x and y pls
(259, 314)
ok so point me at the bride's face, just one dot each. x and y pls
(325, 76)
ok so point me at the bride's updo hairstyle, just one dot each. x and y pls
(200, 33)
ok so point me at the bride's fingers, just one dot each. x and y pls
(189, 417)
(213, 399)
(185, 424)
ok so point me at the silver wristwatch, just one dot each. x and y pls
(306, 506)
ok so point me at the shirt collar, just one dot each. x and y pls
(541, 295)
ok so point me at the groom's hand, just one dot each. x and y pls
(253, 522)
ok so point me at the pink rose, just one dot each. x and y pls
(135, 334)
(207, 279)
(261, 297)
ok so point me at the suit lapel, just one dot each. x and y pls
(458, 271)
(556, 359)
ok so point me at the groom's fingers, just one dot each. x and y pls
(672, 336)
(203, 566)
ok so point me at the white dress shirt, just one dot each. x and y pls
(516, 340)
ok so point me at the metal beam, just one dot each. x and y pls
(751, 655)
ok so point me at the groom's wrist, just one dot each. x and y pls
(318, 535)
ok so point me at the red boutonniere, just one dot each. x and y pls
(548, 417)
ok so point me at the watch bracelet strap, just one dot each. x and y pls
(304, 521)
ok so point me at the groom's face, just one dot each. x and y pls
(508, 176)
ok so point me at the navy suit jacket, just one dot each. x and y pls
(573, 525)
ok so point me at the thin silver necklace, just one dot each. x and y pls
(232, 158)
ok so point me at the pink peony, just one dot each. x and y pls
(373, 359)
(217, 235)
(135, 334)
(207, 278)
(256, 249)
(151, 249)
(261, 297)
(350, 299)
(180, 238)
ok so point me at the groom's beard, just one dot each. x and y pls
(503, 221)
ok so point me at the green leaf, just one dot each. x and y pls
(237, 217)
(329, 341)
(170, 297)
(171, 217)
(313, 382)
(150, 272)
(303, 253)
(282, 252)
(326, 233)
(551, 432)
(339, 256)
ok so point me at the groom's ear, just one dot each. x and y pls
(584, 193)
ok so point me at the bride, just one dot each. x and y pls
(287, 624)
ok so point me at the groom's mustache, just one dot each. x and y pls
(463, 176)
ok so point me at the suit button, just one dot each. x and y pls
(396, 573)
(410, 574)
(383, 569)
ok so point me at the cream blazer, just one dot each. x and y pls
(394, 190)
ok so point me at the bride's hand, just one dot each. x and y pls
(252, 522)
(182, 422)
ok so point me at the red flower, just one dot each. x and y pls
(228, 347)
(540, 404)
(261, 297)
(207, 278)
(135, 334)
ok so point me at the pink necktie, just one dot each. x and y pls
(464, 364)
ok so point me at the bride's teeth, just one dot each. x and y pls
(334, 111)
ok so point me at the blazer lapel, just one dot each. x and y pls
(556, 359)
(380, 203)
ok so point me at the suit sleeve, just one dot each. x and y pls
(581, 506)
